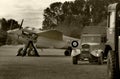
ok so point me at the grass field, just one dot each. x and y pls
(52, 64)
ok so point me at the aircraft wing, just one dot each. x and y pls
(54, 39)
(51, 34)
(46, 39)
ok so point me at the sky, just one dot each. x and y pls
(29, 10)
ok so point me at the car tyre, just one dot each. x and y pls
(100, 60)
(112, 70)
(91, 59)
(75, 59)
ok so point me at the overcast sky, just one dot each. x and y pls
(29, 10)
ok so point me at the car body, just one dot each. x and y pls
(92, 47)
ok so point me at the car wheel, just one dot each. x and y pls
(112, 70)
(91, 59)
(75, 59)
(100, 60)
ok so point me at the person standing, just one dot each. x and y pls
(29, 45)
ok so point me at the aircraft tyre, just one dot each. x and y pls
(112, 70)
(100, 60)
(67, 53)
(75, 59)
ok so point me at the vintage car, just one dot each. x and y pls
(92, 49)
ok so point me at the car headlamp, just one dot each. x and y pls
(96, 53)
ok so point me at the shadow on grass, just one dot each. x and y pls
(53, 56)
(87, 63)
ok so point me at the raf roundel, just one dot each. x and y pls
(75, 43)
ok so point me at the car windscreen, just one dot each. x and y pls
(91, 39)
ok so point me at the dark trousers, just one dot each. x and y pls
(30, 45)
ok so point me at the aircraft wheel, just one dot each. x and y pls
(20, 52)
(112, 70)
(67, 53)
(75, 59)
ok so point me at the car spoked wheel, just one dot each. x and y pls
(20, 52)
(91, 59)
(75, 59)
(100, 60)
(109, 73)
(75, 43)
(111, 66)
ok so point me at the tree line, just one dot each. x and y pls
(9, 24)
(75, 14)
(6, 25)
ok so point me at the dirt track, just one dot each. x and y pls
(51, 65)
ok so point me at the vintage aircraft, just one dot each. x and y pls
(46, 39)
